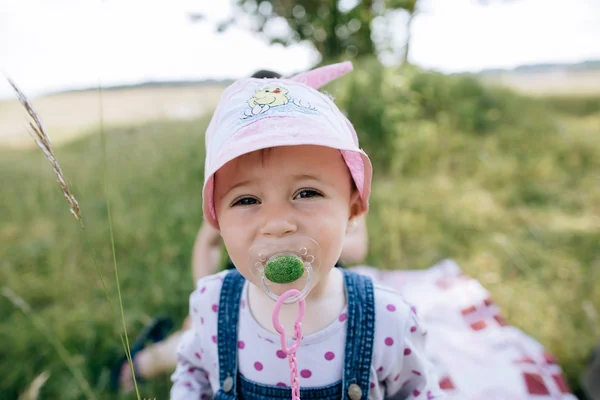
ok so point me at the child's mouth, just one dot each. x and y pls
(289, 263)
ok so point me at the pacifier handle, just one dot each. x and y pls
(290, 351)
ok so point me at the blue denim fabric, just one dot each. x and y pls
(358, 352)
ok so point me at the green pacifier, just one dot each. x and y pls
(285, 264)
(284, 269)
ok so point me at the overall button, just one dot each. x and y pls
(228, 384)
(354, 392)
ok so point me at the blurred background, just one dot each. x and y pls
(482, 118)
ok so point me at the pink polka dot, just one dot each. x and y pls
(241, 344)
(258, 366)
(407, 351)
(203, 289)
(243, 303)
(202, 320)
(214, 339)
(305, 373)
(416, 372)
(191, 370)
(396, 377)
(281, 384)
(342, 317)
(215, 307)
(198, 356)
(389, 341)
(416, 393)
(281, 354)
(413, 309)
(391, 307)
(379, 369)
(329, 356)
(413, 329)
(188, 384)
(372, 385)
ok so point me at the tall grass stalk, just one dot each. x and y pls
(41, 138)
(125, 340)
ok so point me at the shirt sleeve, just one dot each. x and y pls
(412, 376)
(190, 379)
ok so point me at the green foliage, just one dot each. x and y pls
(512, 199)
(385, 103)
(467, 105)
(364, 98)
(409, 5)
(336, 32)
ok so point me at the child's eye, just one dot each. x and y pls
(307, 193)
(245, 201)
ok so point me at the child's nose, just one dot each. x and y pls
(278, 222)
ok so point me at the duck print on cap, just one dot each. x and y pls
(275, 96)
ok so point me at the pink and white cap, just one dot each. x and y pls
(255, 114)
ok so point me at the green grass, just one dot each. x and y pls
(156, 174)
(519, 209)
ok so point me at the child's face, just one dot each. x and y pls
(284, 191)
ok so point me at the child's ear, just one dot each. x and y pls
(356, 207)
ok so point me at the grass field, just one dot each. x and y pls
(550, 83)
(519, 210)
(72, 114)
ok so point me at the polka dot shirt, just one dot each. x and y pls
(399, 365)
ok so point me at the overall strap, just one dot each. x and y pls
(227, 333)
(359, 336)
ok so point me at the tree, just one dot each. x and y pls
(336, 28)
(411, 7)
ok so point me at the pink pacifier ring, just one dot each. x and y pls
(290, 351)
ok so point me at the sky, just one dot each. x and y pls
(51, 45)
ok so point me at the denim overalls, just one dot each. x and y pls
(358, 353)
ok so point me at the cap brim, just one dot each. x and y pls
(246, 141)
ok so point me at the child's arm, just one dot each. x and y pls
(191, 379)
(206, 255)
(412, 376)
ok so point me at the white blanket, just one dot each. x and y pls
(478, 356)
